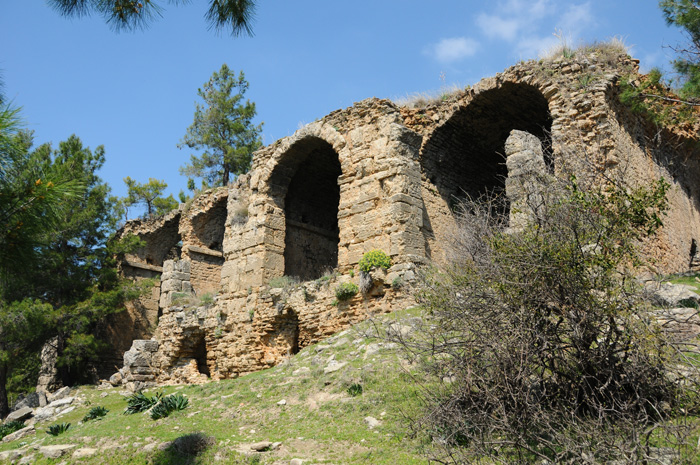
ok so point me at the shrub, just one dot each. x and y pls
(374, 259)
(10, 427)
(95, 413)
(346, 291)
(541, 347)
(169, 404)
(283, 282)
(355, 390)
(140, 402)
(58, 428)
(191, 445)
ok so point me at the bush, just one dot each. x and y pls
(346, 291)
(140, 402)
(541, 347)
(10, 427)
(58, 428)
(95, 413)
(169, 404)
(374, 259)
(355, 390)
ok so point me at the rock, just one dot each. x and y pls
(27, 459)
(674, 295)
(116, 379)
(10, 455)
(44, 413)
(33, 400)
(145, 345)
(60, 394)
(261, 446)
(275, 445)
(20, 415)
(84, 452)
(296, 462)
(334, 366)
(301, 370)
(282, 402)
(55, 451)
(372, 422)
(61, 402)
(149, 447)
(48, 380)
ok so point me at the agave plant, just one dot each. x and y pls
(140, 402)
(58, 428)
(169, 404)
(95, 413)
(10, 427)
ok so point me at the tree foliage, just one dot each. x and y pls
(538, 346)
(223, 128)
(234, 15)
(686, 15)
(150, 195)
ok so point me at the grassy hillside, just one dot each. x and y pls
(323, 419)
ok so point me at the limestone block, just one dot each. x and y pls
(145, 345)
(20, 414)
(136, 358)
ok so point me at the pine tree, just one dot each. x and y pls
(223, 128)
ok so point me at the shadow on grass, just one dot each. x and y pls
(185, 450)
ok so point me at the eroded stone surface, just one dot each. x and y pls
(379, 176)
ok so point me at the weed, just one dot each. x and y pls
(95, 413)
(251, 315)
(355, 390)
(346, 291)
(374, 259)
(351, 273)
(397, 283)
(206, 299)
(283, 282)
(58, 428)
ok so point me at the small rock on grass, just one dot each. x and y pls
(282, 402)
(55, 451)
(296, 462)
(84, 452)
(372, 422)
(261, 446)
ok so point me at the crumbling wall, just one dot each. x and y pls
(376, 176)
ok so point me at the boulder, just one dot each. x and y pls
(116, 379)
(55, 451)
(674, 295)
(20, 414)
(60, 394)
(261, 446)
(19, 434)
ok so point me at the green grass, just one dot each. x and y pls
(687, 280)
(320, 423)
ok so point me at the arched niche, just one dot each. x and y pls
(209, 226)
(306, 185)
(464, 156)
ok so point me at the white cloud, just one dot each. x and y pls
(498, 28)
(454, 49)
(575, 19)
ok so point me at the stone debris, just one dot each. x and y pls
(372, 422)
(334, 366)
(84, 453)
(296, 462)
(55, 451)
(261, 446)
(20, 415)
(282, 402)
(673, 295)
(19, 434)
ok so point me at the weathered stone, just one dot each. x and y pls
(60, 394)
(116, 379)
(20, 414)
(261, 446)
(372, 422)
(55, 451)
(674, 295)
(19, 434)
(84, 452)
(10, 455)
(378, 176)
(145, 345)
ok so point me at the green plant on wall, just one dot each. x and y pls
(346, 291)
(374, 259)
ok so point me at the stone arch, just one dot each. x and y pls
(209, 226)
(464, 156)
(305, 185)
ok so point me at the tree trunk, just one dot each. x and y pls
(226, 173)
(4, 405)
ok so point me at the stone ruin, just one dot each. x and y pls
(377, 176)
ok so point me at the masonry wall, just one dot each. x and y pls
(376, 176)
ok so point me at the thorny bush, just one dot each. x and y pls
(538, 345)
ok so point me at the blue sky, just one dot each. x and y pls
(134, 92)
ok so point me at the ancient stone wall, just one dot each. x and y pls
(379, 176)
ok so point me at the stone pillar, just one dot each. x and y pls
(527, 177)
(175, 279)
(138, 371)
